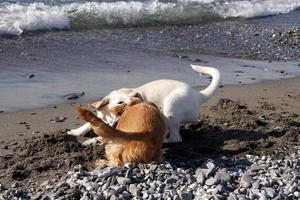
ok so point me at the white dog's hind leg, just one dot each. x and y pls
(82, 130)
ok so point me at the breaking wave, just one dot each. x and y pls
(16, 17)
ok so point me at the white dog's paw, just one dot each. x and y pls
(74, 132)
(91, 141)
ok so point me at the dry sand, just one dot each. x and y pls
(256, 119)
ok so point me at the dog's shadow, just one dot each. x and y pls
(204, 141)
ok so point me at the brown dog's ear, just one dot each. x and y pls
(99, 104)
(118, 110)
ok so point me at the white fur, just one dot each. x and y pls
(178, 102)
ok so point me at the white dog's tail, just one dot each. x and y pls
(216, 79)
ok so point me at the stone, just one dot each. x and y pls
(246, 180)
(270, 192)
(123, 180)
(134, 190)
(211, 181)
(91, 186)
(232, 196)
(186, 196)
(256, 184)
(242, 197)
(223, 176)
(200, 178)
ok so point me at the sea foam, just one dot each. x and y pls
(15, 18)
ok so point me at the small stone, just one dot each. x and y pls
(153, 167)
(91, 186)
(201, 178)
(170, 180)
(123, 180)
(297, 194)
(30, 76)
(232, 196)
(186, 196)
(256, 185)
(223, 176)
(270, 192)
(134, 190)
(246, 180)
(211, 181)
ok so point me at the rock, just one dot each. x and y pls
(256, 184)
(73, 96)
(223, 176)
(134, 190)
(106, 172)
(270, 192)
(211, 181)
(91, 186)
(242, 197)
(123, 180)
(170, 180)
(210, 169)
(30, 76)
(186, 196)
(232, 196)
(153, 167)
(246, 180)
(58, 119)
(118, 189)
(36, 196)
(201, 178)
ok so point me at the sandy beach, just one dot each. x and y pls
(249, 119)
(57, 54)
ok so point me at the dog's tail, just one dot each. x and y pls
(105, 131)
(216, 79)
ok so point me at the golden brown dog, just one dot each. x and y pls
(138, 136)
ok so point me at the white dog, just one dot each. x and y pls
(178, 102)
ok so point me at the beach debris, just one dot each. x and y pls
(58, 119)
(1, 111)
(30, 76)
(73, 96)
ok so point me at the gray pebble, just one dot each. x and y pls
(211, 181)
(123, 180)
(134, 190)
(246, 180)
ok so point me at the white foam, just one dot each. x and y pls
(16, 18)
(257, 8)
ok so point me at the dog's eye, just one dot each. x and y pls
(120, 102)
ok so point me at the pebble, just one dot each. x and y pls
(251, 180)
(246, 180)
(200, 178)
(134, 190)
(123, 180)
(211, 181)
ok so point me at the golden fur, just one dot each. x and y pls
(138, 136)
